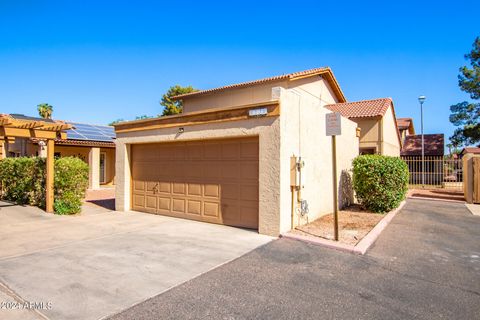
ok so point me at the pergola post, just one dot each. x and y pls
(2, 149)
(50, 175)
(94, 168)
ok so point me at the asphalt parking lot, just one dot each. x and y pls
(425, 265)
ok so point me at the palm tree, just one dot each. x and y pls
(45, 110)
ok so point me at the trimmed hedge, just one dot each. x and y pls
(22, 180)
(380, 182)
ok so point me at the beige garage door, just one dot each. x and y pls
(214, 181)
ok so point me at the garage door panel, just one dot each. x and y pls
(139, 201)
(195, 151)
(230, 170)
(211, 190)
(230, 150)
(151, 203)
(194, 207)
(212, 181)
(230, 211)
(230, 191)
(151, 186)
(212, 150)
(249, 150)
(212, 171)
(249, 215)
(249, 192)
(179, 188)
(194, 189)
(194, 170)
(178, 205)
(138, 185)
(164, 203)
(249, 170)
(164, 187)
(211, 209)
(179, 151)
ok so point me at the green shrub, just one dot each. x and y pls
(19, 179)
(69, 203)
(380, 182)
(22, 180)
(71, 182)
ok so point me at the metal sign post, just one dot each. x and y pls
(333, 124)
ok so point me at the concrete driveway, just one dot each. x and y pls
(101, 262)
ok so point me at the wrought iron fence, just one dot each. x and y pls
(440, 172)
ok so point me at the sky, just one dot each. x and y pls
(98, 61)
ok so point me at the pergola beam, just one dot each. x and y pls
(12, 128)
(30, 125)
(29, 133)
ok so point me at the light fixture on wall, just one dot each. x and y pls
(181, 130)
(42, 144)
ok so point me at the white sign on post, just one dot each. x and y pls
(333, 124)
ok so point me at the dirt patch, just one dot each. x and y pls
(353, 224)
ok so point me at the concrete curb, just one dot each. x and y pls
(435, 199)
(361, 247)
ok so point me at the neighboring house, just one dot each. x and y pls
(405, 127)
(471, 150)
(378, 126)
(228, 158)
(434, 151)
(93, 144)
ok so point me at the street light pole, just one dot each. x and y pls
(421, 99)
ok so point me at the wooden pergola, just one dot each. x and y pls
(11, 128)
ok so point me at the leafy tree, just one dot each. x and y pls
(174, 106)
(115, 122)
(466, 115)
(144, 116)
(45, 110)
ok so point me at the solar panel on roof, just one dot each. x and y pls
(82, 131)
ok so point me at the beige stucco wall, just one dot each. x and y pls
(369, 133)
(315, 86)
(468, 176)
(267, 129)
(303, 134)
(391, 143)
(380, 133)
(231, 97)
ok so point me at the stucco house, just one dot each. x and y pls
(94, 144)
(377, 122)
(405, 127)
(253, 154)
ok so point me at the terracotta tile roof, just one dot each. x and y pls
(362, 109)
(326, 71)
(404, 123)
(81, 143)
(434, 145)
(474, 150)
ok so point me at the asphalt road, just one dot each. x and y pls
(426, 265)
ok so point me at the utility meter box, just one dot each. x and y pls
(298, 177)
